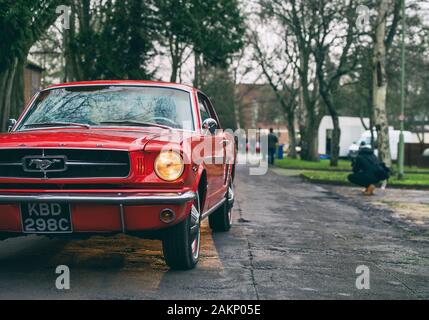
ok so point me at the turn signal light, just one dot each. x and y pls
(140, 166)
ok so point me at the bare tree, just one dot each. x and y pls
(330, 17)
(383, 39)
(294, 15)
(283, 80)
(239, 70)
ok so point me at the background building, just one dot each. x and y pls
(32, 80)
(258, 108)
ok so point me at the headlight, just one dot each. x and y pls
(169, 165)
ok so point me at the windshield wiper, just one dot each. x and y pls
(54, 124)
(134, 123)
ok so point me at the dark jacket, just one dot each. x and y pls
(366, 162)
(272, 141)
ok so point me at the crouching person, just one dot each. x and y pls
(367, 170)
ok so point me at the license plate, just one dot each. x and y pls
(46, 218)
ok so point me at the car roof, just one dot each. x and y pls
(124, 83)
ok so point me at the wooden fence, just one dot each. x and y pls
(414, 155)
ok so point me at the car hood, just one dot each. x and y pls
(121, 139)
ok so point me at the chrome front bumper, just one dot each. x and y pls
(102, 198)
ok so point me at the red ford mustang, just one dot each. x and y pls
(137, 157)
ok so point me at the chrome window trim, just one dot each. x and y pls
(83, 163)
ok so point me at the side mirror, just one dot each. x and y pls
(10, 124)
(210, 125)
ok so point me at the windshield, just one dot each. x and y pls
(111, 106)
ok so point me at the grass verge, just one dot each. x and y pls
(413, 181)
(323, 165)
(288, 163)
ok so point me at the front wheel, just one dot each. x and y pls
(221, 219)
(181, 243)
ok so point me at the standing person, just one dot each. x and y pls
(367, 170)
(272, 146)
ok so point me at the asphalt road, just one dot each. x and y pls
(290, 240)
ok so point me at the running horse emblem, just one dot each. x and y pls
(43, 164)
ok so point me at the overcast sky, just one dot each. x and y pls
(268, 39)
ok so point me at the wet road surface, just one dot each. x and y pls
(290, 240)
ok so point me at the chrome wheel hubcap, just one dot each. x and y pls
(195, 232)
(230, 200)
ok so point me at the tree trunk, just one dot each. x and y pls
(380, 85)
(18, 103)
(309, 114)
(174, 69)
(371, 128)
(74, 71)
(370, 105)
(335, 146)
(175, 58)
(309, 129)
(7, 79)
(196, 70)
(309, 144)
(336, 133)
(291, 134)
(237, 109)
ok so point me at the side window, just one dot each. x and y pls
(202, 107)
(209, 111)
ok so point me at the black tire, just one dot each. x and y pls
(181, 243)
(221, 219)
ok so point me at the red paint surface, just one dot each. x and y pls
(143, 145)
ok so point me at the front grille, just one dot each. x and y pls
(67, 163)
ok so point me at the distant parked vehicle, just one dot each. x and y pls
(393, 139)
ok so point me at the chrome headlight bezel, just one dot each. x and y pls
(172, 157)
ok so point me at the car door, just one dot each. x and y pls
(218, 161)
(205, 153)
